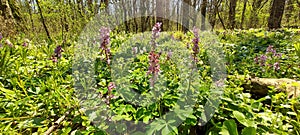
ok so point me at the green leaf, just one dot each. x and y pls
(249, 131)
(241, 118)
(166, 130)
(229, 128)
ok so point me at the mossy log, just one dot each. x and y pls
(261, 86)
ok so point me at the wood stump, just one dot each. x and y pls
(261, 86)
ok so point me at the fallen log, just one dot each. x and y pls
(261, 86)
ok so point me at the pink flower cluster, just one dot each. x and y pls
(270, 54)
(57, 53)
(196, 44)
(156, 30)
(104, 41)
(110, 96)
(154, 63)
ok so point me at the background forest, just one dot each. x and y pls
(56, 18)
(41, 67)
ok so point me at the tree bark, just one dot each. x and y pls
(276, 14)
(289, 11)
(160, 12)
(232, 7)
(185, 7)
(142, 11)
(43, 20)
(257, 5)
(203, 13)
(28, 2)
(243, 14)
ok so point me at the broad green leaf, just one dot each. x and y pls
(241, 118)
(229, 128)
(249, 131)
(166, 130)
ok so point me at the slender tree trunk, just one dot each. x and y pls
(257, 5)
(221, 20)
(28, 2)
(231, 18)
(243, 14)
(276, 14)
(160, 12)
(185, 7)
(125, 16)
(289, 12)
(43, 20)
(178, 12)
(142, 11)
(134, 19)
(167, 15)
(203, 13)
(214, 7)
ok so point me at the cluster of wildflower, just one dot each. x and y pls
(155, 33)
(270, 54)
(195, 43)
(110, 96)
(104, 41)
(57, 53)
(153, 56)
(154, 63)
(25, 43)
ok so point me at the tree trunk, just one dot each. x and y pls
(142, 11)
(178, 16)
(160, 12)
(257, 5)
(276, 14)
(28, 2)
(231, 18)
(243, 14)
(221, 20)
(43, 20)
(125, 16)
(167, 15)
(289, 11)
(203, 13)
(185, 7)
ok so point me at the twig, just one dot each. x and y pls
(56, 123)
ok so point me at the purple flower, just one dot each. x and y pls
(263, 59)
(54, 59)
(25, 44)
(279, 55)
(154, 63)
(1, 36)
(196, 43)
(104, 37)
(169, 55)
(111, 86)
(105, 40)
(156, 30)
(195, 31)
(256, 60)
(276, 66)
(57, 52)
(270, 49)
